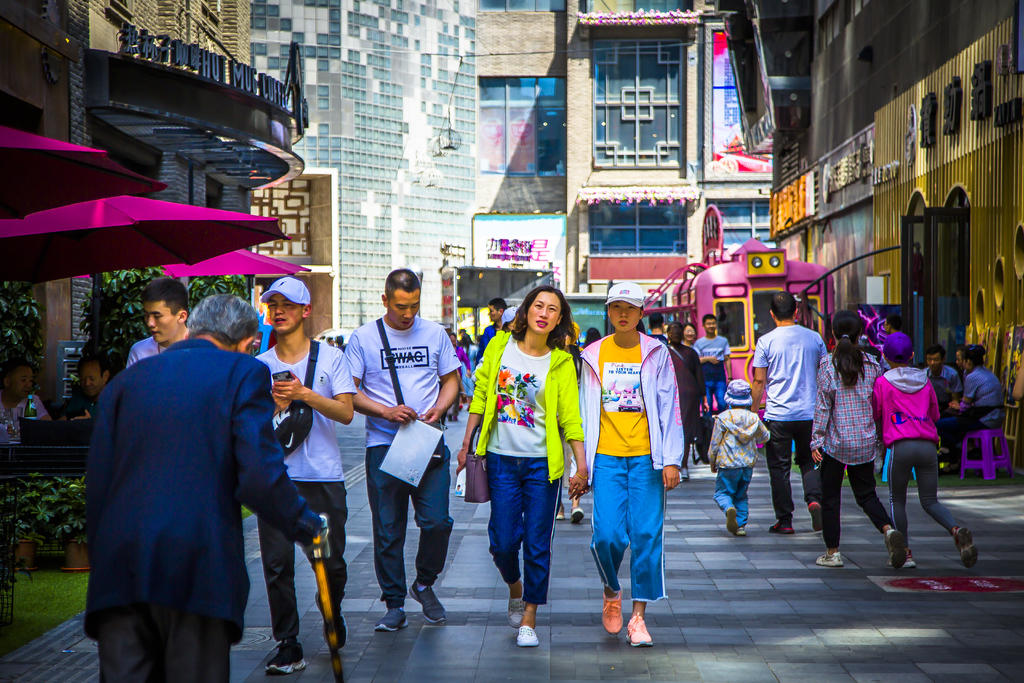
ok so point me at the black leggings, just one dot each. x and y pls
(862, 481)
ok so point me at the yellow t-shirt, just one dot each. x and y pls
(623, 420)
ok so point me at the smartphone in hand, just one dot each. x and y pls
(283, 376)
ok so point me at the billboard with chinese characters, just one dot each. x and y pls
(728, 154)
(520, 241)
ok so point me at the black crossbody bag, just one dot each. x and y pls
(292, 426)
(389, 358)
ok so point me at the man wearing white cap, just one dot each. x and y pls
(311, 456)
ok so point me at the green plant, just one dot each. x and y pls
(68, 521)
(39, 499)
(21, 333)
(121, 312)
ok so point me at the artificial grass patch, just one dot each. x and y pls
(47, 599)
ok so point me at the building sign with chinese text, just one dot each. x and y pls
(792, 204)
(526, 241)
(845, 177)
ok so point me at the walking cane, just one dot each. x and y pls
(321, 551)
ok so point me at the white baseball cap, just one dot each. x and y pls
(290, 288)
(630, 292)
(509, 315)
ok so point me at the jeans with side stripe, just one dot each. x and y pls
(629, 512)
(523, 504)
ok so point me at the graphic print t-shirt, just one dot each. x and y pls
(623, 420)
(519, 429)
(423, 354)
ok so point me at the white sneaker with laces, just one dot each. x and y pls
(833, 560)
(527, 637)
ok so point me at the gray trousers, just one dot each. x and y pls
(918, 455)
(147, 643)
(278, 554)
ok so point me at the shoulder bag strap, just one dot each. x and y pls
(314, 351)
(389, 358)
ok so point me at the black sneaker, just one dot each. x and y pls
(340, 628)
(433, 611)
(288, 659)
(780, 528)
(814, 507)
(393, 620)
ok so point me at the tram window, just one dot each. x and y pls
(732, 322)
(763, 323)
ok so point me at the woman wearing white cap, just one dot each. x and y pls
(633, 440)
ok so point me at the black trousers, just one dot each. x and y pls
(278, 553)
(389, 505)
(862, 482)
(778, 453)
(147, 643)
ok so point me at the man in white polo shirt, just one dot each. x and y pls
(313, 460)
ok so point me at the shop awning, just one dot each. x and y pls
(239, 262)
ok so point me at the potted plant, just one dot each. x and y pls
(69, 524)
(36, 498)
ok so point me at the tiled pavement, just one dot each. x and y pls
(740, 609)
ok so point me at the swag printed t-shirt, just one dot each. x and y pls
(423, 354)
(519, 430)
(318, 458)
(623, 420)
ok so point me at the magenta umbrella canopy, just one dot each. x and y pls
(41, 173)
(122, 232)
(239, 262)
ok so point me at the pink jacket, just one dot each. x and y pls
(905, 405)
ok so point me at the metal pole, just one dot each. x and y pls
(97, 321)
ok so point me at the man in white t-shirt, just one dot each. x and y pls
(165, 303)
(428, 374)
(314, 465)
(18, 379)
(786, 360)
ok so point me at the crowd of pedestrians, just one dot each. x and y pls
(614, 416)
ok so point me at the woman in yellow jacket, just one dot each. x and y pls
(525, 390)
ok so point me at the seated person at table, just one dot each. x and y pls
(165, 302)
(980, 408)
(944, 380)
(19, 380)
(93, 375)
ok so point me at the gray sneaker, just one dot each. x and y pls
(515, 612)
(433, 611)
(393, 620)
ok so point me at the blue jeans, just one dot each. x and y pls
(731, 490)
(523, 504)
(389, 506)
(629, 512)
(715, 388)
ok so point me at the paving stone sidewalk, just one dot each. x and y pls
(740, 609)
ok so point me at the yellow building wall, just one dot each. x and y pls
(985, 161)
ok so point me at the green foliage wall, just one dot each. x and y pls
(21, 331)
(121, 306)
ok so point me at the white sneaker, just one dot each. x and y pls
(833, 560)
(515, 612)
(527, 637)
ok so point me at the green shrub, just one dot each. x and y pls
(21, 334)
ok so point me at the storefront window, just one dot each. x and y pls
(637, 229)
(522, 126)
(745, 219)
(637, 112)
(732, 322)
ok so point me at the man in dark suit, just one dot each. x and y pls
(181, 439)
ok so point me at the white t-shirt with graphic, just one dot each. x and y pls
(423, 354)
(318, 458)
(519, 430)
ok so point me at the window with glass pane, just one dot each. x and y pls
(522, 5)
(732, 322)
(623, 6)
(745, 219)
(522, 126)
(637, 229)
(637, 111)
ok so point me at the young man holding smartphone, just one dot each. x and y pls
(314, 464)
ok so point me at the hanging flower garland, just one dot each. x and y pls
(667, 194)
(641, 17)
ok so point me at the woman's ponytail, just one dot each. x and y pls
(847, 358)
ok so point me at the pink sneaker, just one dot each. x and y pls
(637, 632)
(611, 613)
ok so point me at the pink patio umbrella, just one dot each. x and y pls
(239, 262)
(122, 232)
(41, 173)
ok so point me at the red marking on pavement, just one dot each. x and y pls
(959, 584)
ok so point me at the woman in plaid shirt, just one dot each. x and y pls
(845, 439)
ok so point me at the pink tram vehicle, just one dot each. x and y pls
(736, 285)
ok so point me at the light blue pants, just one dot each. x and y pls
(629, 512)
(731, 490)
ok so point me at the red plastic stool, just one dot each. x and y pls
(989, 461)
